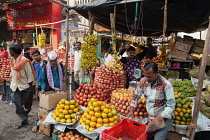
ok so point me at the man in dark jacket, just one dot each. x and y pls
(152, 51)
(27, 53)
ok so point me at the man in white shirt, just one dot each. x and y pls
(23, 74)
(78, 71)
(109, 57)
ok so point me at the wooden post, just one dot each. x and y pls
(113, 30)
(67, 50)
(91, 22)
(191, 131)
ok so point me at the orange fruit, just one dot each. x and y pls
(102, 107)
(85, 114)
(88, 117)
(105, 120)
(68, 121)
(178, 118)
(93, 100)
(73, 115)
(111, 119)
(106, 110)
(115, 117)
(95, 104)
(110, 114)
(107, 106)
(87, 122)
(99, 120)
(76, 105)
(96, 109)
(91, 108)
(72, 102)
(65, 112)
(63, 121)
(66, 107)
(113, 107)
(91, 129)
(114, 111)
(106, 124)
(67, 102)
(70, 111)
(111, 124)
(60, 110)
(178, 109)
(81, 123)
(100, 103)
(61, 106)
(93, 119)
(72, 106)
(54, 117)
(92, 124)
(115, 122)
(181, 114)
(58, 119)
(98, 125)
(83, 119)
(63, 101)
(87, 127)
(189, 111)
(104, 115)
(73, 120)
(98, 114)
(91, 113)
(67, 116)
(184, 110)
(61, 116)
(176, 113)
(76, 110)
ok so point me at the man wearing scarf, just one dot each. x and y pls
(52, 75)
(23, 75)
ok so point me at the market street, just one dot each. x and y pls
(8, 119)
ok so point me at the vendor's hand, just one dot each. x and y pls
(40, 93)
(130, 114)
(160, 119)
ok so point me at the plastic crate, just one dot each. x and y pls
(131, 130)
(55, 135)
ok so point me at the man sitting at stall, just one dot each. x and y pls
(152, 51)
(52, 77)
(3, 53)
(133, 61)
(160, 102)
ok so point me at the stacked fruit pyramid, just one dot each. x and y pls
(99, 114)
(112, 75)
(89, 51)
(183, 110)
(121, 98)
(67, 111)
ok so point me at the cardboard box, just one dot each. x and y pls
(42, 114)
(179, 55)
(50, 100)
(197, 49)
(46, 129)
(183, 46)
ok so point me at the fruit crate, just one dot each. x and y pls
(75, 132)
(125, 130)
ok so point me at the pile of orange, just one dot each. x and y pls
(183, 110)
(99, 114)
(65, 111)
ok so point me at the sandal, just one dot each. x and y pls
(22, 124)
(35, 128)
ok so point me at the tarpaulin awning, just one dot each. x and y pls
(183, 15)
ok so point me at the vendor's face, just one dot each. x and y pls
(53, 63)
(131, 54)
(150, 76)
(37, 56)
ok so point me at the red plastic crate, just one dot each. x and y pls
(126, 130)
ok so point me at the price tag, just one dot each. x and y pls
(137, 73)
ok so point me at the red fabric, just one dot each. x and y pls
(20, 63)
(4, 53)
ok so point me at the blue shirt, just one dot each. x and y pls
(38, 70)
(44, 79)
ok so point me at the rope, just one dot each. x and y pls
(165, 20)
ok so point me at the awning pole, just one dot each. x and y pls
(193, 124)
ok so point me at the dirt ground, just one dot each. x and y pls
(8, 119)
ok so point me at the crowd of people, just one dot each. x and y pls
(48, 75)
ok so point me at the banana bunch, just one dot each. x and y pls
(115, 65)
(79, 114)
(42, 40)
(91, 39)
(89, 51)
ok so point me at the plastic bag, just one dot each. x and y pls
(156, 124)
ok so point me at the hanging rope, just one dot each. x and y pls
(165, 20)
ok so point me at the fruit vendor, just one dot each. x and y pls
(152, 51)
(3, 53)
(133, 61)
(160, 102)
(23, 74)
(52, 77)
(78, 71)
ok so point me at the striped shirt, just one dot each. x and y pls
(160, 97)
